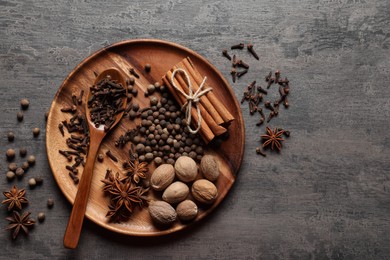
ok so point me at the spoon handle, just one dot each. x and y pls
(73, 230)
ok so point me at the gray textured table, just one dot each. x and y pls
(326, 196)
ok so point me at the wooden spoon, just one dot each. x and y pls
(73, 230)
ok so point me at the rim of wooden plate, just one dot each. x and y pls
(229, 89)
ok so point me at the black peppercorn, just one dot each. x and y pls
(22, 152)
(36, 131)
(148, 67)
(24, 103)
(32, 183)
(31, 160)
(41, 217)
(50, 203)
(100, 157)
(10, 154)
(11, 136)
(19, 172)
(25, 166)
(10, 175)
(19, 116)
(12, 166)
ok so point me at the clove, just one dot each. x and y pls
(241, 73)
(233, 72)
(226, 54)
(238, 46)
(252, 51)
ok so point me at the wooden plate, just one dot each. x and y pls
(162, 56)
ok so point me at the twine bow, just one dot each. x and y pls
(191, 98)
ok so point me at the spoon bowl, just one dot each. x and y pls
(97, 132)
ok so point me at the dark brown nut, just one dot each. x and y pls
(162, 213)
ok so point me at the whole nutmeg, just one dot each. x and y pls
(186, 169)
(162, 213)
(204, 191)
(176, 192)
(162, 177)
(187, 210)
(209, 167)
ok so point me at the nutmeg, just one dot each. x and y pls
(162, 213)
(162, 177)
(204, 191)
(209, 167)
(186, 169)
(176, 192)
(187, 210)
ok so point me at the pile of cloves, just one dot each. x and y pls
(78, 139)
(238, 63)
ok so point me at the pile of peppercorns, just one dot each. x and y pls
(18, 172)
(162, 135)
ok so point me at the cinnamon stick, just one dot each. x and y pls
(203, 100)
(205, 131)
(218, 106)
(206, 116)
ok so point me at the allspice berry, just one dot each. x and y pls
(10, 154)
(148, 67)
(209, 167)
(41, 216)
(20, 116)
(36, 131)
(31, 160)
(186, 169)
(12, 166)
(10, 175)
(19, 172)
(50, 203)
(24, 103)
(22, 152)
(10, 136)
(32, 183)
(187, 210)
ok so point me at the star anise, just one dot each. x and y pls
(124, 196)
(109, 180)
(273, 138)
(15, 198)
(137, 170)
(17, 223)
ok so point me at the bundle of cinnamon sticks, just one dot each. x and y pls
(215, 116)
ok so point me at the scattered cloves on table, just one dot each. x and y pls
(238, 46)
(233, 72)
(241, 73)
(134, 73)
(111, 156)
(226, 54)
(252, 51)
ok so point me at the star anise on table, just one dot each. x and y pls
(15, 198)
(19, 222)
(273, 138)
(136, 170)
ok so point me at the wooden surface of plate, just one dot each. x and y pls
(162, 56)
